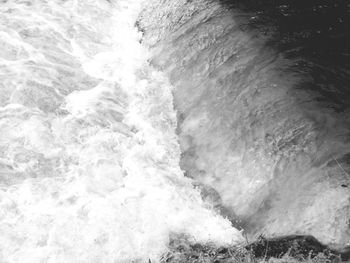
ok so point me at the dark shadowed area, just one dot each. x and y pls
(316, 32)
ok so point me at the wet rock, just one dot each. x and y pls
(296, 246)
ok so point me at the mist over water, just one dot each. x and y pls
(89, 158)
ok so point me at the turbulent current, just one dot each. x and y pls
(124, 123)
(89, 158)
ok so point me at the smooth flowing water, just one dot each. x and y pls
(89, 157)
(261, 89)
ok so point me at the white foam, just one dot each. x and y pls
(96, 179)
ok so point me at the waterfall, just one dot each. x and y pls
(261, 89)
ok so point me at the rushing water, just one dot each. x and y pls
(89, 158)
(262, 93)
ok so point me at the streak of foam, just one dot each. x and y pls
(89, 158)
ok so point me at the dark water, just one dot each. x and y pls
(262, 93)
(316, 33)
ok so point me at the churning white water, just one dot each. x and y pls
(89, 158)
